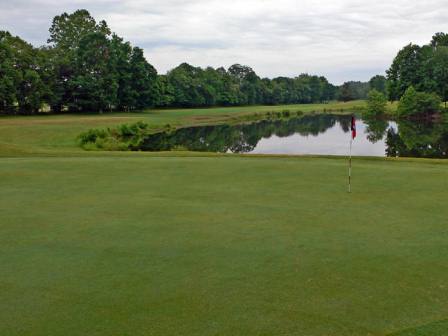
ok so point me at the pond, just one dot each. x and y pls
(320, 134)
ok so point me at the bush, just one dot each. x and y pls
(418, 104)
(376, 104)
(286, 113)
(91, 136)
(123, 137)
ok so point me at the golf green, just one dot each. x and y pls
(222, 245)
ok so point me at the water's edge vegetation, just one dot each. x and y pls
(56, 134)
(132, 136)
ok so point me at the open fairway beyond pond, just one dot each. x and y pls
(222, 245)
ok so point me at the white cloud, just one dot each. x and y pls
(343, 40)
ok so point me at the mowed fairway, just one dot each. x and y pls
(222, 245)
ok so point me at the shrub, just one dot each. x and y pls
(376, 104)
(286, 113)
(123, 137)
(418, 104)
(91, 136)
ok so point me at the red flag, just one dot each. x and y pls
(353, 127)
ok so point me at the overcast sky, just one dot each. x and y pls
(340, 39)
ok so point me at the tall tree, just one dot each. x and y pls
(66, 34)
(378, 83)
(439, 40)
(94, 84)
(144, 80)
(403, 71)
(9, 76)
(120, 64)
(21, 69)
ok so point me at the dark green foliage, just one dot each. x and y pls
(123, 137)
(376, 104)
(91, 136)
(418, 104)
(67, 30)
(143, 80)
(353, 91)
(8, 74)
(378, 83)
(21, 85)
(425, 68)
(94, 86)
(188, 86)
(403, 72)
(439, 40)
(86, 68)
(80, 57)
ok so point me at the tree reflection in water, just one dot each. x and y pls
(237, 138)
(416, 139)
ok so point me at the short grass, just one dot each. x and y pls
(58, 132)
(128, 243)
(222, 245)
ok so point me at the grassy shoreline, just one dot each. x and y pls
(45, 133)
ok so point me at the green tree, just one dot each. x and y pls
(94, 85)
(403, 72)
(249, 83)
(66, 34)
(376, 104)
(425, 68)
(120, 64)
(144, 80)
(346, 92)
(408, 103)
(440, 72)
(439, 39)
(353, 90)
(378, 83)
(418, 104)
(21, 83)
(186, 83)
(165, 96)
(67, 30)
(8, 74)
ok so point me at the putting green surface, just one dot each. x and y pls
(222, 245)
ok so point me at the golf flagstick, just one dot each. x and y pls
(352, 136)
(350, 167)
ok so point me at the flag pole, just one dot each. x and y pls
(350, 166)
(352, 136)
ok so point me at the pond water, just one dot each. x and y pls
(321, 134)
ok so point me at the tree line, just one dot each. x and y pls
(418, 79)
(86, 68)
(425, 68)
